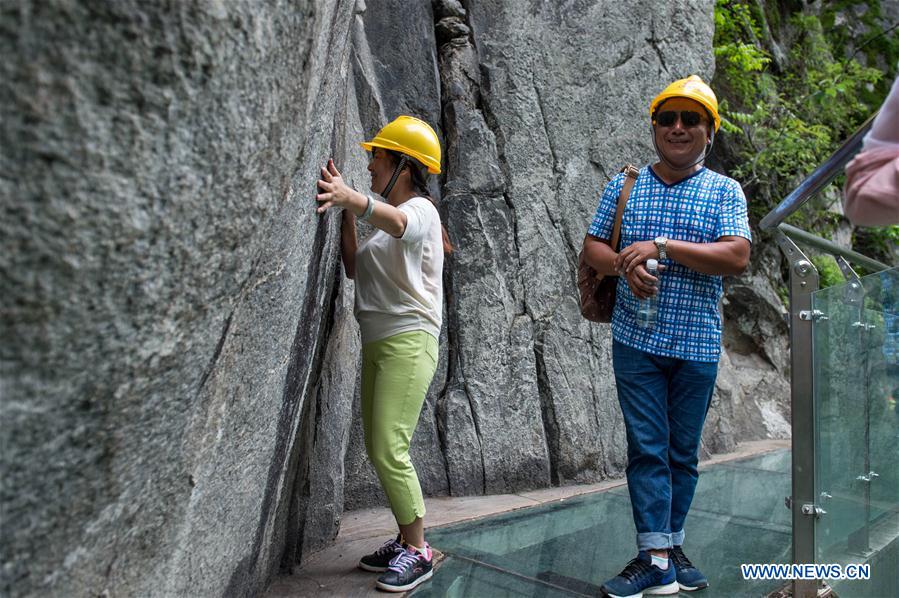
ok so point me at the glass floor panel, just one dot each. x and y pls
(571, 546)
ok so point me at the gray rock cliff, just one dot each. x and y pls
(178, 354)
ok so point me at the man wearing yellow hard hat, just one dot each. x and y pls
(398, 271)
(691, 224)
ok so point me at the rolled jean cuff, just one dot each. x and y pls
(654, 541)
(677, 538)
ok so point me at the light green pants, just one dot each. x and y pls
(396, 374)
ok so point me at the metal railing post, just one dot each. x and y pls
(803, 282)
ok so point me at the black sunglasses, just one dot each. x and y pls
(689, 118)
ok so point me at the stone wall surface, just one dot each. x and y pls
(179, 357)
(167, 287)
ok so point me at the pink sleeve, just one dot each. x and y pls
(871, 196)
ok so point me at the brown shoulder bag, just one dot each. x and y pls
(597, 292)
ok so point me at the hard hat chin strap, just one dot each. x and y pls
(705, 153)
(396, 173)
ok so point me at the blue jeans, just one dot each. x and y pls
(664, 401)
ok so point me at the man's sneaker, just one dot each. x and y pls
(379, 560)
(689, 578)
(407, 569)
(641, 577)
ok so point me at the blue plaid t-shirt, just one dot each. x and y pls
(700, 209)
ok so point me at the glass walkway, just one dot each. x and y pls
(570, 547)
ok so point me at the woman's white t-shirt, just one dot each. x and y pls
(399, 281)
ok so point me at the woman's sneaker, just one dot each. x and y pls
(407, 569)
(689, 578)
(640, 577)
(379, 560)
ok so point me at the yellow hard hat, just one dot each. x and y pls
(411, 136)
(693, 88)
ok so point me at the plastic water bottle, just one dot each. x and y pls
(648, 309)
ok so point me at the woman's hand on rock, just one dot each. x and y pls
(336, 193)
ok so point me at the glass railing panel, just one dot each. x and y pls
(882, 381)
(856, 341)
(839, 356)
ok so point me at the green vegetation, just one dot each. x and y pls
(829, 273)
(877, 242)
(794, 81)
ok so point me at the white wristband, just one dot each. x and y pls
(368, 208)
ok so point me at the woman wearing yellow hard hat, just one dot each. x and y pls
(683, 228)
(398, 271)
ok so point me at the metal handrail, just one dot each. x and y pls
(827, 246)
(818, 179)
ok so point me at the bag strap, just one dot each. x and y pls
(630, 177)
